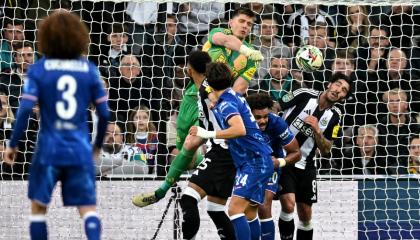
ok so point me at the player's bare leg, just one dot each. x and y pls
(251, 214)
(191, 144)
(38, 221)
(286, 222)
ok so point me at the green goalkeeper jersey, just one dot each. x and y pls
(240, 65)
(188, 114)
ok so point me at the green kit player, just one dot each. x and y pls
(224, 45)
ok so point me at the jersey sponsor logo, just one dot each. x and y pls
(303, 127)
(287, 97)
(335, 131)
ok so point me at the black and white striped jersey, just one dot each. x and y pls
(206, 118)
(298, 105)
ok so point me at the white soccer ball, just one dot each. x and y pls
(309, 58)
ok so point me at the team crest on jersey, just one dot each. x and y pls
(324, 122)
(287, 97)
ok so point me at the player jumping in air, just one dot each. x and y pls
(64, 84)
(250, 152)
(224, 45)
(314, 120)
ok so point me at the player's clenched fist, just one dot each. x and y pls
(252, 54)
(313, 122)
(9, 155)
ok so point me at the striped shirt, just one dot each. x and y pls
(300, 104)
(206, 118)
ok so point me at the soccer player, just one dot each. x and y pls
(250, 153)
(277, 133)
(187, 117)
(224, 45)
(63, 83)
(231, 46)
(314, 119)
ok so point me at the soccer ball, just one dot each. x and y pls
(309, 58)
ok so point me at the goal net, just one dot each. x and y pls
(368, 186)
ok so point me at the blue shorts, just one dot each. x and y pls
(77, 184)
(273, 182)
(251, 181)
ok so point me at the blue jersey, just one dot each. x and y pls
(277, 134)
(231, 104)
(64, 90)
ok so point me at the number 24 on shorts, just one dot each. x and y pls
(241, 179)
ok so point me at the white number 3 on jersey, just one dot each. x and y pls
(68, 85)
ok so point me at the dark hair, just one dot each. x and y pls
(318, 25)
(62, 35)
(380, 28)
(344, 54)
(172, 16)
(198, 60)
(339, 76)
(269, 17)
(259, 101)
(242, 10)
(219, 76)
(117, 28)
(14, 22)
(22, 44)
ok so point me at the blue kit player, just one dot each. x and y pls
(281, 139)
(250, 153)
(64, 84)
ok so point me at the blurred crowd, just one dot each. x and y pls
(141, 49)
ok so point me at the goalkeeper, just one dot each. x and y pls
(223, 45)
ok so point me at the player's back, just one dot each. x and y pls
(65, 89)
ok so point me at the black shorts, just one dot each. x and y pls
(300, 182)
(216, 173)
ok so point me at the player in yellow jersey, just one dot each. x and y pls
(224, 45)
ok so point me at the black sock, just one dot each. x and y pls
(304, 235)
(191, 216)
(287, 229)
(223, 224)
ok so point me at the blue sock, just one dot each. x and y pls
(38, 227)
(93, 226)
(267, 229)
(254, 226)
(241, 226)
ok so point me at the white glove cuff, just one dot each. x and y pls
(244, 50)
